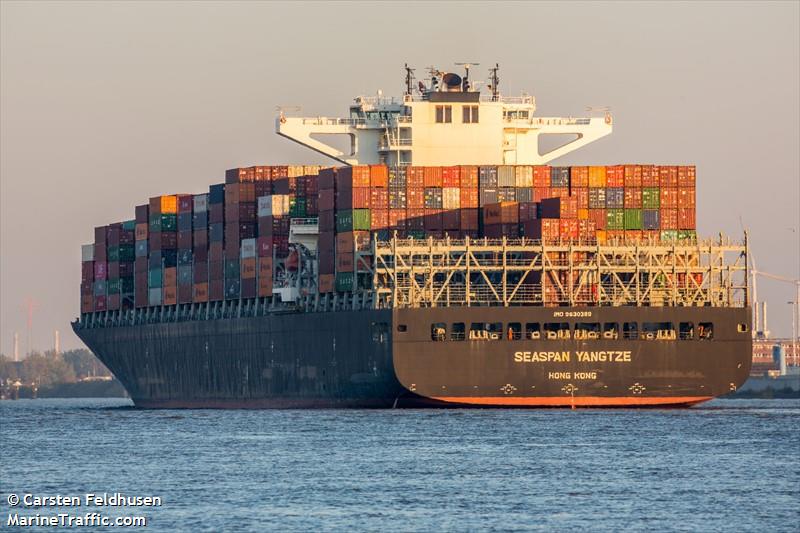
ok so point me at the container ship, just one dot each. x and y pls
(441, 261)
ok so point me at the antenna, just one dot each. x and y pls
(494, 82)
(16, 347)
(434, 72)
(465, 81)
(409, 79)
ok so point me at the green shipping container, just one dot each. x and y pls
(129, 225)
(687, 236)
(345, 282)
(163, 222)
(113, 286)
(633, 219)
(651, 198)
(127, 252)
(113, 253)
(232, 269)
(126, 285)
(417, 234)
(155, 278)
(297, 208)
(615, 219)
(353, 220)
(669, 235)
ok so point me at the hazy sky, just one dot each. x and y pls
(106, 104)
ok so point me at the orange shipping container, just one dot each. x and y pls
(433, 176)
(248, 268)
(583, 214)
(668, 176)
(379, 219)
(351, 241)
(598, 216)
(669, 219)
(651, 237)
(264, 287)
(415, 177)
(501, 213)
(568, 228)
(634, 235)
(397, 219)
(468, 197)
(164, 204)
(582, 195)
(541, 176)
(379, 198)
(559, 192)
(344, 262)
(687, 198)
(597, 176)
(686, 176)
(451, 177)
(170, 277)
(378, 176)
(540, 193)
(687, 219)
(326, 283)
(600, 236)
(668, 197)
(650, 176)
(469, 219)
(633, 197)
(615, 176)
(415, 198)
(469, 176)
(579, 177)
(170, 295)
(632, 175)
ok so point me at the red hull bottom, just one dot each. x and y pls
(579, 401)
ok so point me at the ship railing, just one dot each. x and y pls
(324, 121)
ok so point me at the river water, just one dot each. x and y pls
(723, 465)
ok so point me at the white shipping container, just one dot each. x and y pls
(451, 198)
(506, 177)
(274, 205)
(295, 170)
(248, 248)
(87, 252)
(524, 176)
(200, 203)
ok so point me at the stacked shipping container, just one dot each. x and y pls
(229, 243)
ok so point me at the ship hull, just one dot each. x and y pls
(389, 358)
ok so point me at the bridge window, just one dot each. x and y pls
(470, 114)
(705, 331)
(587, 330)
(533, 331)
(444, 114)
(659, 331)
(457, 332)
(402, 328)
(611, 331)
(686, 331)
(514, 331)
(742, 327)
(556, 331)
(484, 331)
(630, 330)
(438, 331)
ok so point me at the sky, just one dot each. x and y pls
(103, 105)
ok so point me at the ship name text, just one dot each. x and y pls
(601, 356)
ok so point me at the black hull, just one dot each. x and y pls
(385, 358)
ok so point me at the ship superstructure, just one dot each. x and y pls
(444, 121)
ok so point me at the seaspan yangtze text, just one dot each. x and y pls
(601, 356)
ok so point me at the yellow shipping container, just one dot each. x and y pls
(600, 234)
(295, 170)
(583, 214)
(597, 176)
(311, 170)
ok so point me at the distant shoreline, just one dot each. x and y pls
(79, 389)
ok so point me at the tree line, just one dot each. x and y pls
(50, 368)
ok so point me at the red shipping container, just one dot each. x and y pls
(598, 217)
(415, 198)
(615, 176)
(87, 303)
(469, 219)
(569, 228)
(451, 177)
(559, 192)
(327, 179)
(667, 176)
(541, 176)
(433, 176)
(379, 219)
(501, 213)
(415, 219)
(586, 230)
(633, 197)
(185, 203)
(415, 177)
(345, 262)
(378, 176)
(100, 303)
(559, 207)
(326, 200)
(540, 193)
(143, 214)
(686, 176)
(264, 246)
(87, 271)
(687, 198)
(469, 178)
(651, 237)
(650, 176)
(100, 270)
(216, 290)
(326, 283)
(433, 219)
(451, 219)
(582, 195)
(528, 211)
(200, 292)
(379, 199)
(668, 197)
(397, 219)
(262, 173)
(633, 235)
(468, 197)
(170, 295)
(351, 177)
(579, 177)
(632, 176)
(669, 219)
(112, 302)
(185, 294)
(687, 219)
